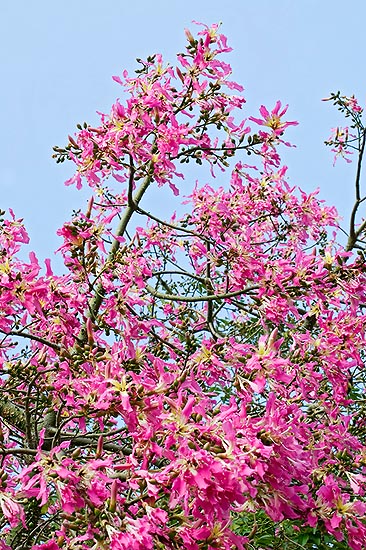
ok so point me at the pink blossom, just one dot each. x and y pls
(272, 119)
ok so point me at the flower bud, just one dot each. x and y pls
(113, 501)
(89, 331)
(99, 451)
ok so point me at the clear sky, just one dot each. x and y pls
(57, 59)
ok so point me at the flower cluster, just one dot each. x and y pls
(190, 371)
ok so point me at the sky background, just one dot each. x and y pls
(57, 59)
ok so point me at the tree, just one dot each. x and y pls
(194, 382)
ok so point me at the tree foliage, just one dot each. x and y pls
(195, 382)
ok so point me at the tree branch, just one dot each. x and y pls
(207, 298)
(353, 234)
(97, 300)
(39, 339)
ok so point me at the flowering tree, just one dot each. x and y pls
(189, 383)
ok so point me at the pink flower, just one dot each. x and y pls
(50, 545)
(352, 103)
(340, 138)
(12, 510)
(71, 500)
(273, 119)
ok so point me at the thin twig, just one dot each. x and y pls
(207, 298)
(34, 337)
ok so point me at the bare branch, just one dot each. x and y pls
(207, 298)
(353, 234)
(34, 337)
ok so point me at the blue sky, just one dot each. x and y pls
(57, 60)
